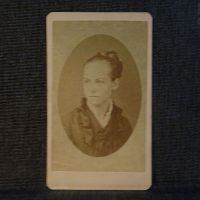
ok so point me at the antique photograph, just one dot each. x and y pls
(99, 100)
(97, 126)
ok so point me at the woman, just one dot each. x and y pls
(97, 126)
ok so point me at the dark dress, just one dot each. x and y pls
(88, 136)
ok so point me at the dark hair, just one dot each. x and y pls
(113, 59)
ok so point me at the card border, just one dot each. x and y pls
(100, 180)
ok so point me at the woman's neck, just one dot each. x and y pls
(102, 109)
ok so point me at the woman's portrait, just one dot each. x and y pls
(97, 127)
(101, 77)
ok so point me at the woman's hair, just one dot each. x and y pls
(112, 58)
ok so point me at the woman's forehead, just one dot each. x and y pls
(97, 68)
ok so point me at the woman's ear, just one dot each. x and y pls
(115, 84)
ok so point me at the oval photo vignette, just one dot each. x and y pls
(128, 96)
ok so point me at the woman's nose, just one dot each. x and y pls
(93, 88)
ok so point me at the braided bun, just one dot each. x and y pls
(112, 58)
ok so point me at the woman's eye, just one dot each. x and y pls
(99, 81)
(86, 81)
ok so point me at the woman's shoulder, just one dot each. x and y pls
(70, 116)
(78, 116)
(77, 110)
(122, 121)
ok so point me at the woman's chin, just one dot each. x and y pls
(94, 102)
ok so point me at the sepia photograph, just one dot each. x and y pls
(99, 100)
(97, 125)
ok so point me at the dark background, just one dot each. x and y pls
(176, 98)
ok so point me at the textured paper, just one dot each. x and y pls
(71, 39)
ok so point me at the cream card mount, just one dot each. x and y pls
(99, 73)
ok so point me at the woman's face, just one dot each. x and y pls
(97, 83)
